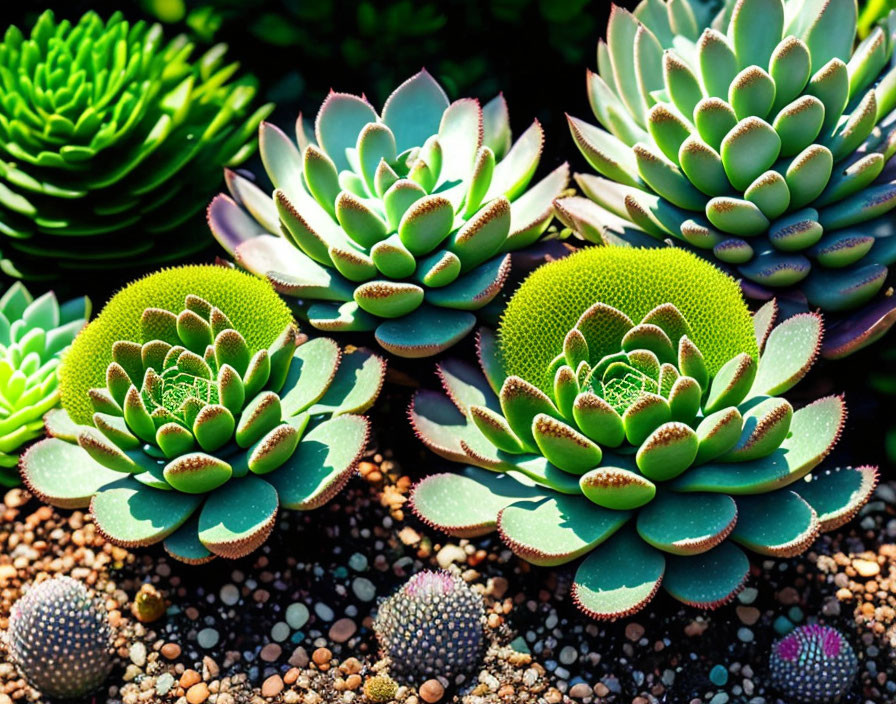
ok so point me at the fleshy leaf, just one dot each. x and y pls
(83, 476)
(238, 517)
(836, 495)
(707, 580)
(687, 524)
(779, 523)
(790, 351)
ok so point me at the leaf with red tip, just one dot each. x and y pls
(339, 122)
(355, 386)
(131, 514)
(322, 464)
(558, 529)
(238, 517)
(513, 173)
(474, 290)
(790, 351)
(460, 134)
(425, 332)
(72, 488)
(618, 578)
(184, 545)
(687, 524)
(763, 321)
(487, 351)
(707, 580)
(230, 224)
(860, 328)
(253, 199)
(837, 494)
(465, 385)
(281, 158)
(814, 431)
(779, 524)
(532, 212)
(496, 126)
(414, 110)
(467, 504)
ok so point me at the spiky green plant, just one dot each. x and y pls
(106, 128)
(763, 141)
(34, 336)
(197, 438)
(639, 455)
(399, 223)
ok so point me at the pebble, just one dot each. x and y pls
(189, 678)
(280, 631)
(568, 655)
(866, 568)
(170, 651)
(745, 635)
(137, 653)
(719, 675)
(207, 638)
(364, 589)
(272, 686)
(449, 554)
(164, 684)
(580, 691)
(297, 615)
(324, 612)
(342, 630)
(198, 693)
(432, 691)
(229, 594)
(270, 652)
(358, 562)
(634, 631)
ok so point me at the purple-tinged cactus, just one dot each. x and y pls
(813, 665)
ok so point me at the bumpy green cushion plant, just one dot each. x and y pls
(198, 437)
(106, 128)
(763, 141)
(399, 223)
(34, 336)
(640, 456)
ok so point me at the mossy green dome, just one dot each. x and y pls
(549, 302)
(251, 304)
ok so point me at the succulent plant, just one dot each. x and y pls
(34, 334)
(399, 223)
(432, 626)
(104, 128)
(197, 436)
(813, 665)
(59, 638)
(149, 604)
(763, 142)
(641, 454)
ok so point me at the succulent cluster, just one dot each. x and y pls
(432, 626)
(639, 455)
(59, 638)
(763, 141)
(197, 438)
(813, 665)
(380, 688)
(34, 334)
(105, 127)
(400, 223)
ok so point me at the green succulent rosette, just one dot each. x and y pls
(198, 440)
(762, 141)
(34, 335)
(639, 458)
(107, 128)
(401, 223)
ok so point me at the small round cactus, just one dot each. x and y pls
(60, 639)
(380, 688)
(149, 604)
(431, 627)
(813, 665)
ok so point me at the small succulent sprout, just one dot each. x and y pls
(111, 138)
(654, 466)
(380, 688)
(198, 438)
(761, 138)
(813, 664)
(59, 639)
(401, 223)
(149, 604)
(34, 336)
(431, 627)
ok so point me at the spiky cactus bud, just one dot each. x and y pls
(60, 639)
(431, 627)
(813, 665)
(380, 688)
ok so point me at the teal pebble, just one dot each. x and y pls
(783, 625)
(719, 675)
(795, 614)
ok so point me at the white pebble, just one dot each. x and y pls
(229, 594)
(297, 615)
